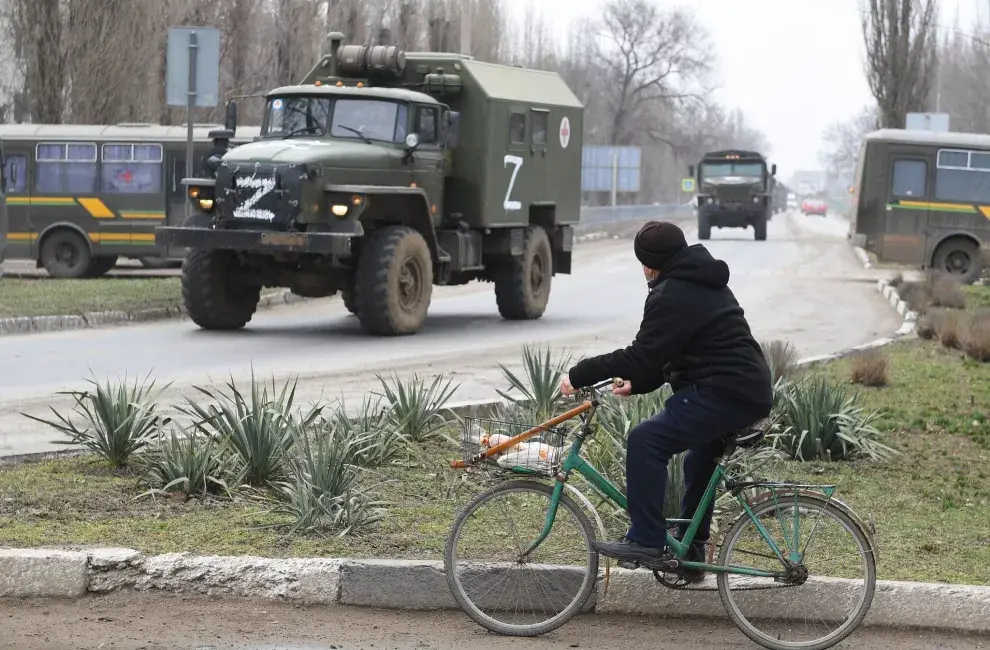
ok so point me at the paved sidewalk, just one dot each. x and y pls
(152, 622)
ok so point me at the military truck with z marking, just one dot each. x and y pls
(382, 174)
(735, 190)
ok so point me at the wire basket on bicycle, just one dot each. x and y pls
(540, 454)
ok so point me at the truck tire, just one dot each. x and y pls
(394, 282)
(960, 258)
(214, 296)
(760, 228)
(66, 254)
(522, 285)
(347, 295)
(704, 227)
(100, 266)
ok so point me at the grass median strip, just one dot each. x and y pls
(930, 502)
(55, 297)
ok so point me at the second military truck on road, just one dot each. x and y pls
(735, 190)
(382, 174)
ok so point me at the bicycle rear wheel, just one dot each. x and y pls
(822, 601)
(513, 595)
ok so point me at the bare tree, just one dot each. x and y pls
(649, 56)
(901, 55)
(842, 140)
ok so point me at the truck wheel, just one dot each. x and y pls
(960, 258)
(348, 297)
(213, 294)
(760, 228)
(100, 266)
(394, 282)
(65, 254)
(704, 227)
(522, 286)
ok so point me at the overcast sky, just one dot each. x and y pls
(814, 46)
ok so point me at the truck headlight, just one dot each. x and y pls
(206, 204)
(339, 210)
(756, 199)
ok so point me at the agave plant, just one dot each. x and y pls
(191, 464)
(824, 423)
(416, 407)
(375, 441)
(258, 428)
(322, 493)
(539, 386)
(121, 419)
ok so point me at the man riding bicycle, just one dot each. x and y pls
(695, 336)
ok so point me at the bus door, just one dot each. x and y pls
(175, 206)
(21, 237)
(4, 225)
(910, 184)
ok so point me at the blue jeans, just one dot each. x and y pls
(694, 421)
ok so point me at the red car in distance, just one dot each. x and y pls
(814, 206)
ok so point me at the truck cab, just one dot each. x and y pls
(735, 190)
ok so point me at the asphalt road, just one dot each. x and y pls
(803, 284)
(140, 621)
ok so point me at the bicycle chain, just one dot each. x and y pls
(673, 587)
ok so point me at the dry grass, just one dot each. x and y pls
(781, 356)
(975, 337)
(934, 290)
(869, 368)
(947, 325)
(924, 327)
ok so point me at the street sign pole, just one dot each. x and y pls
(190, 107)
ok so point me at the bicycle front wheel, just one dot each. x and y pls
(830, 581)
(500, 588)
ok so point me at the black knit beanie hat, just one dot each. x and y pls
(657, 242)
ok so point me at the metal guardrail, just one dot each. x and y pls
(601, 216)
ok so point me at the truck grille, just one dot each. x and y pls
(733, 193)
(258, 195)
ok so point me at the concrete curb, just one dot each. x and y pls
(422, 585)
(863, 257)
(36, 324)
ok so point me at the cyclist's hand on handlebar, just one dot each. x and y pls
(566, 388)
(624, 389)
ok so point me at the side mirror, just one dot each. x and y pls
(773, 169)
(230, 121)
(691, 170)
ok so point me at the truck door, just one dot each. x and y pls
(428, 161)
(909, 189)
(539, 120)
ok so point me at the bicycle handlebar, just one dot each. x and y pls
(600, 387)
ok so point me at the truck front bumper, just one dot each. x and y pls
(257, 241)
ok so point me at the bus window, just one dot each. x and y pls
(965, 177)
(909, 179)
(66, 168)
(132, 168)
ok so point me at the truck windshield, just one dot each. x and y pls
(729, 172)
(288, 116)
(354, 119)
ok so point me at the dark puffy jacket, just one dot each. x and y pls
(693, 333)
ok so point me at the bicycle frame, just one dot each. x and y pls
(574, 463)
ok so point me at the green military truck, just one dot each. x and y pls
(735, 189)
(382, 174)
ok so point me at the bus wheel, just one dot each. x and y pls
(958, 257)
(65, 254)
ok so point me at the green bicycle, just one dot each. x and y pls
(527, 590)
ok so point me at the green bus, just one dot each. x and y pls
(923, 198)
(3, 209)
(80, 196)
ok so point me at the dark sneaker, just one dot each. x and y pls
(695, 554)
(631, 552)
